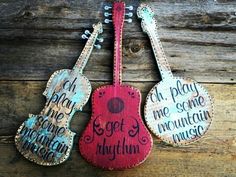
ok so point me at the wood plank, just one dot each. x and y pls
(64, 15)
(40, 37)
(193, 37)
(26, 97)
(28, 60)
(161, 162)
(192, 31)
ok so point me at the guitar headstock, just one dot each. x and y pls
(97, 29)
(118, 9)
(147, 15)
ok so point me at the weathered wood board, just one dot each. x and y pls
(40, 37)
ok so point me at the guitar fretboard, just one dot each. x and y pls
(149, 25)
(118, 23)
(86, 52)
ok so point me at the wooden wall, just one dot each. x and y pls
(38, 37)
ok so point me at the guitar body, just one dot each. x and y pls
(46, 139)
(36, 141)
(179, 111)
(115, 137)
(75, 84)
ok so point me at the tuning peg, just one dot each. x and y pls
(107, 7)
(100, 39)
(84, 36)
(87, 32)
(107, 21)
(130, 14)
(129, 20)
(98, 46)
(129, 7)
(106, 14)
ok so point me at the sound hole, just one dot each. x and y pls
(115, 105)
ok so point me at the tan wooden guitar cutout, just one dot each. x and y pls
(177, 110)
(46, 138)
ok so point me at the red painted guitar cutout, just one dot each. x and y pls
(116, 137)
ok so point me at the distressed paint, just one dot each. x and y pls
(177, 110)
(116, 137)
(46, 138)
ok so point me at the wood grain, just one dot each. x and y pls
(40, 37)
(29, 94)
(38, 34)
(214, 155)
(162, 162)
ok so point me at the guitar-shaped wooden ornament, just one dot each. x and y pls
(116, 137)
(46, 138)
(177, 110)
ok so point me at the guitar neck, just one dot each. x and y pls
(150, 26)
(118, 23)
(85, 54)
